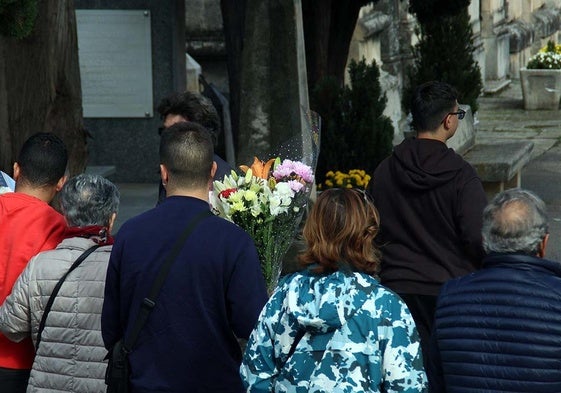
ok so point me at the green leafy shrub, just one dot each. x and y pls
(355, 132)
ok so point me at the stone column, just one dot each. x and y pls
(527, 10)
(396, 38)
(273, 81)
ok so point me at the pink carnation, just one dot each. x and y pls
(290, 169)
(295, 185)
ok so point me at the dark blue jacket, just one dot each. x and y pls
(213, 293)
(499, 329)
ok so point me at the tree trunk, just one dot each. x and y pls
(233, 19)
(41, 76)
(328, 30)
(273, 81)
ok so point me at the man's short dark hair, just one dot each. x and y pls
(187, 151)
(431, 102)
(42, 160)
(193, 107)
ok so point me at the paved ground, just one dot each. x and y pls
(500, 117)
(135, 199)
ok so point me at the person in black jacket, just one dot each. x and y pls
(430, 202)
(499, 329)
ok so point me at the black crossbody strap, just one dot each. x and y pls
(51, 300)
(150, 301)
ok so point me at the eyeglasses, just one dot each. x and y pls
(461, 114)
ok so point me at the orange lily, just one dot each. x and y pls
(259, 168)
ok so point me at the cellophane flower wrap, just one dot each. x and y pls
(268, 207)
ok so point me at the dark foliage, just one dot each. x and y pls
(355, 133)
(428, 11)
(17, 17)
(445, 52)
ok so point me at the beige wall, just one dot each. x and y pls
(522, 9)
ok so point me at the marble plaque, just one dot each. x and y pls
(115, 62)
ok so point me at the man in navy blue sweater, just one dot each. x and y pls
(212, 295)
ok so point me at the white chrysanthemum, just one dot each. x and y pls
(250, 195)
(236, 197)
(237, 207)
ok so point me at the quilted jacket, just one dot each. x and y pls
(499, 329)
(357, 337)
(71, 353)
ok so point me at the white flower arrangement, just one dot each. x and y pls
(548, 58)
(267, 206)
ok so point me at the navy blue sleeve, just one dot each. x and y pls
(246, 293)
(111, 315)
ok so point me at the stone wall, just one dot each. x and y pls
(530, 26)
(131, 144)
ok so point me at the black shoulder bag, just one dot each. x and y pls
(117, 375)
(51, 300)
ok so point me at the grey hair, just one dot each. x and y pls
(514, 221)
(89, 200)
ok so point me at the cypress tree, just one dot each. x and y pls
(445, 49)
(355, 133)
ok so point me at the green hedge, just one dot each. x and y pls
(355, 133)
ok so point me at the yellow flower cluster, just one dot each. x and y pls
(550, 46)
(355, 178)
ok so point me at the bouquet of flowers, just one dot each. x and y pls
(355, 178)
(267, 203)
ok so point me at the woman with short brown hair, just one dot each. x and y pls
(333, 327)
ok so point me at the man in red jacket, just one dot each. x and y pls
(28, 225)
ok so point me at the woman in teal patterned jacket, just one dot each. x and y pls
(333, 327)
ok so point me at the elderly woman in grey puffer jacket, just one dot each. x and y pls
(70, 357)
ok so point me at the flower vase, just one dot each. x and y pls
(541, 88)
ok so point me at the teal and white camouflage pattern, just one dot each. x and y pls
(357, 336)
